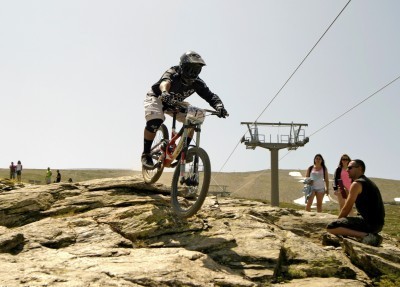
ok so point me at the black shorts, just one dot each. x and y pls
(354, 223)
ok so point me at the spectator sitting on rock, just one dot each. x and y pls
(368, 200)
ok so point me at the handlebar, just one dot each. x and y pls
(183, 107)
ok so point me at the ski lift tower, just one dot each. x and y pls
(294, 138)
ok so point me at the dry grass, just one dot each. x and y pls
(257, 185)
(251, 185)
(76, 175)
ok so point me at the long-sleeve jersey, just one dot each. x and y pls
(181, 91)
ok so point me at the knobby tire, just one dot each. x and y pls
(182, 203)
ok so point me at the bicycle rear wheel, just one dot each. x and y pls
(189, 192)
(152, 175)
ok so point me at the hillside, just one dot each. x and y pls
(250, 185)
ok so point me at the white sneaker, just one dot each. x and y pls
(372, 239)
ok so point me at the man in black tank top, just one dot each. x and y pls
(368, 200)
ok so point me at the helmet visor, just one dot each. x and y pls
(191, 71)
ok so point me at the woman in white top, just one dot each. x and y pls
(19, 171)
(320, 182)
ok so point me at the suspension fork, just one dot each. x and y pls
(173, 132)
(185, 148)
(183, 152)
(197, 129)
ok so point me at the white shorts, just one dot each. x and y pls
(153, 109)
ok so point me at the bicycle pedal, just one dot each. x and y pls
(148, 167)
(157, 165)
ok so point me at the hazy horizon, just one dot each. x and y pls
(171, 170)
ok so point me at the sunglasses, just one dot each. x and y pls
(350, 167)
(346, 159)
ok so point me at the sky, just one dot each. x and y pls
(74, 74)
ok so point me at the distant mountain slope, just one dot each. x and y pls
(251, 185)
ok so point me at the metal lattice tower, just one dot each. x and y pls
(293, 139)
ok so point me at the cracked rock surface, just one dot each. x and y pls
(122, 232)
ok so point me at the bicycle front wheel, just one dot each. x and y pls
(190, 190)
(152, 175)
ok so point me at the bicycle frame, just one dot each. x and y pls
(172, 150)
(192, 175)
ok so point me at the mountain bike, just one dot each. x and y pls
(192, 175)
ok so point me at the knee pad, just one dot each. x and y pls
(153, 125)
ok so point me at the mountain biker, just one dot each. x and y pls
(176, 84)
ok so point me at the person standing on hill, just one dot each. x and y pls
(48, 175)
(19, 171)
(319, 182)
(12, 170)
(368, 200)
(58, 178)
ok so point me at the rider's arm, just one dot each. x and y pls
(355, 190)
(165, 86)
(168, 75)
(204, 92)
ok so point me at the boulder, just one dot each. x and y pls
(123, 232)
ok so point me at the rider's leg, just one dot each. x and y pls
(150, 133)
(148, 137)
(147, 141)
(154, 114)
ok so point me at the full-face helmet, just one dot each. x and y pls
(190, 65)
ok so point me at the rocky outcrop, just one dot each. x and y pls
(122, 232)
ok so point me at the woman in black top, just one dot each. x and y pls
(342, 175)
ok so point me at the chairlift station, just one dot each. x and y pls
(293, 137)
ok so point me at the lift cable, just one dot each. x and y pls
(276, 95)
(349, 110)
(301, 63)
